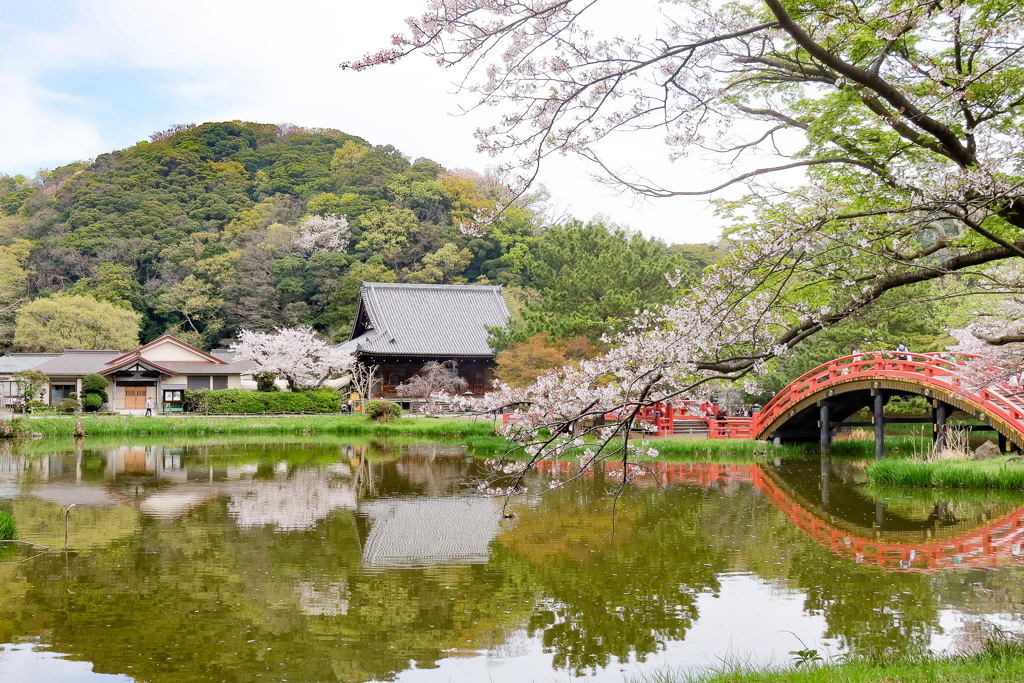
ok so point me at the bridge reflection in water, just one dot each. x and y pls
(835, 511)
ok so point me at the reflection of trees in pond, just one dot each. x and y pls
(294, 502)
(197, 589)
(42, 522)
(603, 597)
(180, 601)
(866, 608)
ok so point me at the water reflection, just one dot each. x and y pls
(906, 530)
(357, 559)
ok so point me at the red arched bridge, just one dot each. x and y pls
(828, 397)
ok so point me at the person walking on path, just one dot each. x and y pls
(149, 407)
(903, 348)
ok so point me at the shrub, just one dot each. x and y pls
(94, 384)
(11, 428)
(383, 411)
(194, 401)
(68, 405)
(242, 401)
(265, 382)
(92, 402)
(8, 527)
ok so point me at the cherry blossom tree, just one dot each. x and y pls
(435, 380)
(294, 353)
(323, 233)
(901, 120)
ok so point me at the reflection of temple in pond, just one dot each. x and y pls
(453, 530)
(410, 504)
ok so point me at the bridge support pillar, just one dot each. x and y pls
(939, 416)
(1003, 448)
(879, 418)
(826, 428)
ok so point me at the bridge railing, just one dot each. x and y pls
(731, 428)
(937, 368)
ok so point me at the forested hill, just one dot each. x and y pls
(199, 231)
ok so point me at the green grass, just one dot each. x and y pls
(998, 663)
(926, 497)
(354, 425)
(8, 527)
(997, 473)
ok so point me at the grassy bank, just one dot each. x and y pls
(997, 473)
(479, 434)
(1001, 663)
(354, 425)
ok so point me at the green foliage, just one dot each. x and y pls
(11, 428)
(8, 527)
(920, 326)
(114, 283)
(998, 662)
(93, 401)
(265, 382)
(30, 381)
(206, 217)
(94, 383)
(998, 473)
(68, 405)
(243, 402)
(382, 411)
(75, 322)
(592, 279)
(117, 427)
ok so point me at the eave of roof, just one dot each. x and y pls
(136, 359)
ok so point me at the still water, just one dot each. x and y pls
(328, 559)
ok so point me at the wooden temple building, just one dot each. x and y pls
(400, 327)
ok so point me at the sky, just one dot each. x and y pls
(81, 78)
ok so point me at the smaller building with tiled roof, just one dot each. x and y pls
(400, 327)
(159, 371)
(10, 391)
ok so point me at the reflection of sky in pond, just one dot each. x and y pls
(378, 561)
(31, 663)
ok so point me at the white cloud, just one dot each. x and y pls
(276, 62)
(33, 135)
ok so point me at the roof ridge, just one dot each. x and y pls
(418, 285)
(90, 351)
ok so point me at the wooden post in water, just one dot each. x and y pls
(826, 428)
(939, 415)
(826, 470)
(879, 423)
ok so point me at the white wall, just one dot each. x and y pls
(167, 350)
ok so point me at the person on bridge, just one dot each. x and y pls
(720, 416)
(903, 347)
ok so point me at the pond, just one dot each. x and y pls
(321, 559)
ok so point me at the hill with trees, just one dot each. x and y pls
(205, 230)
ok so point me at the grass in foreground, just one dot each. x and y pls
(998, 663)
(8, 527)
(997, 473)
(355, 425)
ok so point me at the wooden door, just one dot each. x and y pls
(135, 398)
